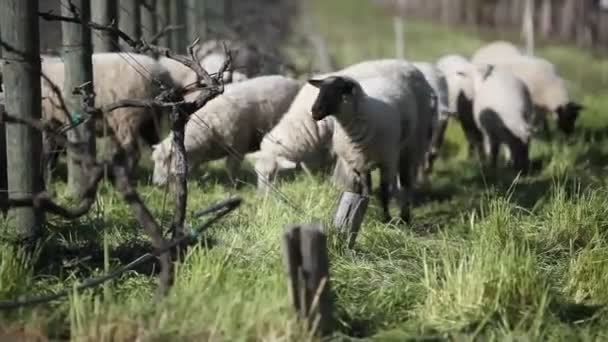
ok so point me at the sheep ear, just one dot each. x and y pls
(315, 83)
(285, 164)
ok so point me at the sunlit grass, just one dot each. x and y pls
(486, 256)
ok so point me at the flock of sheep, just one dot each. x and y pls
(388, 114)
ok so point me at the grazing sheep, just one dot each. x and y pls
(460, 99)
(503, 112)
(496, 51)
(230, 125)
(438, 83)
(116, 76)
(379, 123)
(548, 90)
(297, 140)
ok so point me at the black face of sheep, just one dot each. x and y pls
(332, 91)
(567, 115)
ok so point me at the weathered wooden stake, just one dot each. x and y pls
(104, 12)
(78, 70)
(3, 179)
(307, 265)
(20, 47)
(3, 168)
(349, 215)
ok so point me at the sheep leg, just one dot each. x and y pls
(545, 125)
(520, 152)
(494, 149)
(233, 165)
(385, 193)
(407, 174)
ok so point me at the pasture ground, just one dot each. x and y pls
(486, 257)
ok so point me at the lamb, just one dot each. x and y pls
(297, 140)
(381, 121)
(496, 51)
(548, 90)
(460, 100)
(183, 76)
(116, 76)
(230, 125)
(438, 83)
(503, 112)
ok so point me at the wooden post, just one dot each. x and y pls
(163, 12)
(104, 12)
(3, 180)
(78, 71)
(3, 166)
(129, 18)
(528, 27)
(307, 265)
(149, 21)
(178, 17)
(21, 76)
(349, 215)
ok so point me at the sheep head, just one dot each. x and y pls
(267, 166)
(335, 93)
(567, 115)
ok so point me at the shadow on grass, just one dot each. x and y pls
(59, 258)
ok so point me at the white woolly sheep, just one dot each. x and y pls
(503, 112)
(379, 122)
(116, 76)
(230, 125)
(548, 90)
(437, 80)
(297, 140)
(496, 51)
(460, 98)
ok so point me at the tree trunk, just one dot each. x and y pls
(78, 70)
(178, 17)
(149, 22)
(528, 27)
(104, 12)
(163, 12)
(130, 18)
(21, 46)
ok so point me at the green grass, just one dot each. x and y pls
(486, 258)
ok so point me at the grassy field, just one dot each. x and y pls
(486, 258)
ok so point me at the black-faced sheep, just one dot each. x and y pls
(378, 123)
